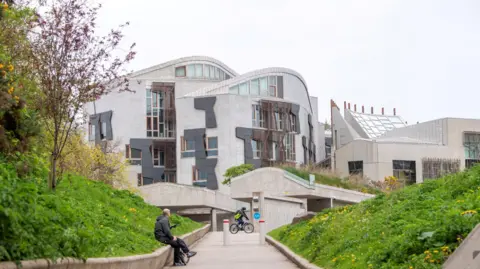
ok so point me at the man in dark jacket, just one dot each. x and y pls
(239, 215)
(164, 235)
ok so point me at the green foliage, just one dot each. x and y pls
(331, 180)
(236, 171)
(418, 226)
(82, 218)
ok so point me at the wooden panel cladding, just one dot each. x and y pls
(168, 90)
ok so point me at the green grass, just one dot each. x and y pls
(82, 219)
(418, 226)
(332, 181)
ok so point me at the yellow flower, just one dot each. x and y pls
(435, 251)
(10, 67)
(1, 66)
(411, 267)
(5, 6)
(10, 91)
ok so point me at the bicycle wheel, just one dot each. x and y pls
(248, 228)
(234, 228)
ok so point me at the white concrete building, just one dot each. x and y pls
(188, 120)
(379, 145)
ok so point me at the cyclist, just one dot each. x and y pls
(239, 215)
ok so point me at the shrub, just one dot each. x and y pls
(415, 227)
(326, 177)
(236, 171)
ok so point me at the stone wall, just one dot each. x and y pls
(158, 259)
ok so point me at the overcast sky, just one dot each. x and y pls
(420, 56)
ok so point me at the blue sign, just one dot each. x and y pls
(256, 215)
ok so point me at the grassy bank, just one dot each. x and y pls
(354, 183)
(82, 218)
(415, 227)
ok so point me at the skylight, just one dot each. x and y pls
(377, 125)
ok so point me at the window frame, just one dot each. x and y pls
(91, 132)
(357, 167)
(184, 152)
(257, 151)
(184, 71)
(211, 152)
(159, 158)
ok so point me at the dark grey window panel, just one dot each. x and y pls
(304, 144)
(207, 104)
(148, 171)
(201, 162)
(208, 166)
(246, 135)
(97, 120)
(212, 152)
(197, 135)
(280, 86)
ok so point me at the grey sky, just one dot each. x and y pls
(422, 57)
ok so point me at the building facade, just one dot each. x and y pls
(380, 145)
(188, 120)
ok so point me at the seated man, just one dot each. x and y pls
(163, 234)
(239, 215)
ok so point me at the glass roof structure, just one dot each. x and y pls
(377, 125)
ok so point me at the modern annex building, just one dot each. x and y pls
(188, 120)
(379, 145)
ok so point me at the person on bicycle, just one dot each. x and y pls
(164, 235)
(239, 215)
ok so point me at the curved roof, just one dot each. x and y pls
(185, 59)
(219, 88)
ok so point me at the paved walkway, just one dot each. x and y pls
(243, 253)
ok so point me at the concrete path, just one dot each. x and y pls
(243, 253)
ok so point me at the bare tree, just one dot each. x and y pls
(74, 66)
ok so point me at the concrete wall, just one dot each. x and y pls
(184, 196)
(377, 157)
(158, 259)
(279, 212)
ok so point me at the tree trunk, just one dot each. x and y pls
(53, 173)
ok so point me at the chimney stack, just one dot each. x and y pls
(371, 109)
(363, 109)
(383, 111)
(355, 107)
(348, 106)
(394, 112)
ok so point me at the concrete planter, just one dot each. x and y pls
(158, 259)
(296, 259)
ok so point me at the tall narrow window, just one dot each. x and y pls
(158, 156)
(191, 70)
(257, 149)
(199, 70)
(103, 133)
(293, 121)
(243, 89)
(212, 146)
(272, 86)
(206, 71)
(289, 143)
(263, 86)
(255, 87)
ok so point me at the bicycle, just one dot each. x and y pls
(247, 227)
